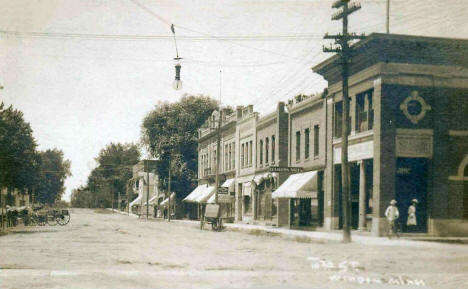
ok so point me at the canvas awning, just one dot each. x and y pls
(247, 189)
(137, 201)
(303, 185)
(222, 199)
(258, 179)
(166, 200)
(230, 184)
(200, 195)
(154, 199)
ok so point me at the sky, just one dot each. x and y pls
(86, 72)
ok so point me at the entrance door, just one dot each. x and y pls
(412, 184)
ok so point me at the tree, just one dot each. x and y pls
(82, 198)
(109, 178)
(19, 161)
(171, 131)
(53, 172)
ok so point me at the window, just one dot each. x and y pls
(364, 111)
(267, 144)
(306, 142)
(261, 152)
(316, 140)
(242, 156)
(298, 145)
(273, 143)
(233, 164)
(247, 159)
(338, 119)
(226, 157)
(250, 154)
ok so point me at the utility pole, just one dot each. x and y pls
(218, 138)
(388, 17)
(147, 189)
(218, 147)
(169, 189)
(344, 51)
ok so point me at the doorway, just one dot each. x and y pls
(412, 183)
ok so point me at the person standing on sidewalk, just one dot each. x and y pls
(412, 221)
(392, 215)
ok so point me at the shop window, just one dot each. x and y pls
(273, 144)
(306, 142)
(316, 140)
(298, 145)
(267, 144)
(364, 111)
(247, 205)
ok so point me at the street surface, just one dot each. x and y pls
(100, 249)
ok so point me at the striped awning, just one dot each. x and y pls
(303, 185)
(201, 194)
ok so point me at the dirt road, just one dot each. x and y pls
(99, 249)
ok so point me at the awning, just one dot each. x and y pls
(303, 185)
(200, 195)
(230, 184)
(153, 199)
(166, 200)
(247, 189)
(258, 179)
(137, 201)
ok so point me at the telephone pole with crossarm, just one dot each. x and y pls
(344, 50)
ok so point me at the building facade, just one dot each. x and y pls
(408, 132)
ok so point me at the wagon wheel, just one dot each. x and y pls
(217, 224)
(63, 219)
(51, 219)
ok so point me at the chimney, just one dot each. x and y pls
(239, 111)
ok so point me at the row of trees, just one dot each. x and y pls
(109, 179)
(22, 166)
(169, 134)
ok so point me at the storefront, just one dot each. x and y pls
(198, 198)
(226, 200)
(299, 201)
(265, 209)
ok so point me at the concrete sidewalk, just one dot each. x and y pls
(422, 241)
(335, 236)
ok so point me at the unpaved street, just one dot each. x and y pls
(98, 249)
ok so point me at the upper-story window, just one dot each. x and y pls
(306, 143)
(316, 140)
(250, 154)
(261, 152)
(242, 156)
(364, 111)
(273, 147)
(267, 145)
(233, 159)
(338, 125)
(298, 145)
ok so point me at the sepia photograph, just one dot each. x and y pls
(306, 144)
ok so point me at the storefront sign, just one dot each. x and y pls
(286, 169)
(356, 152)
(412, 146)
(222, 190)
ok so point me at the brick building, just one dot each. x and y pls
(408, 136)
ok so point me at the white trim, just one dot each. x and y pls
(457, 178)
(409, 131)
(458, 132)
(462, 166)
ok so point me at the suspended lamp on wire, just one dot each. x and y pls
(177, 84)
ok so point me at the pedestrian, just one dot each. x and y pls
(392, 215)
(411, 222)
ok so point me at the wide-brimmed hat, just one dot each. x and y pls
(392, 202)
(414, 201)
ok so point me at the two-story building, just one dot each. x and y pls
(145, 184)
(408, 136)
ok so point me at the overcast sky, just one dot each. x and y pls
(80, 91)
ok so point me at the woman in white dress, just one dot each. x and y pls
(412, 214)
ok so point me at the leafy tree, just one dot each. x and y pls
(171, 131)
(82, 198)
(109, 178)
(54, 171)
(19, 161)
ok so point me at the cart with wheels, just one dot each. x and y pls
(213, 217)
